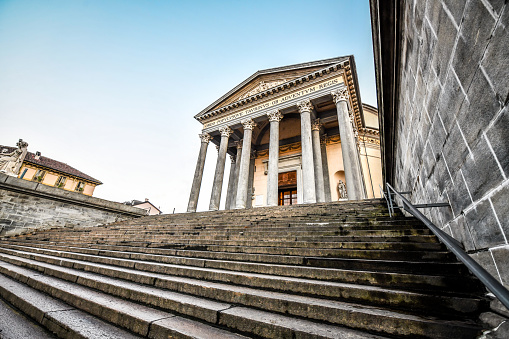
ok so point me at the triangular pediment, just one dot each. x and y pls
(265, 79)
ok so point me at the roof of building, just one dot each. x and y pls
(138, 202)
(53, 164)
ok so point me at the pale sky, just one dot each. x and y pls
(111, 87)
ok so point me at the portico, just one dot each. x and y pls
(301, 122)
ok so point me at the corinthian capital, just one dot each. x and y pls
(316, 125)
(324, 139)
(225, 131)
(340, 95)
(239, 143)
(233, 158)
(205, 137)
(305, 106)
(248, 124)
(275, 116)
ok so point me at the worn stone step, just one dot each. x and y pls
(137, 318)
(367, 293)
(387, 322)
(263, 276)
(56, 316)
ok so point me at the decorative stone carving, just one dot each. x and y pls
(342, 190)
(340, 95)
(205, 137)
(10, 163)
(225, 131)
(233, 159)
(248, 124)
(316, 125)
(253, 154)
(262, 86)
(305, 106)
(275, 116)
(238, 144)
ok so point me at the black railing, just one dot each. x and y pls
(452, 244)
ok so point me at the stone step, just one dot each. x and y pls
(382, 321)
(56, 316)
(385, 297)
(261, 275)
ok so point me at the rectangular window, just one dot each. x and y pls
(61, 181)
(39, 175)
(23, 174)
(80, 186)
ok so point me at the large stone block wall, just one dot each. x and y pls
(452, 136)
(27, 205)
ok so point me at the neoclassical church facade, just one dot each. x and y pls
(294, 134)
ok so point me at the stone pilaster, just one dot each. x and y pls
(244, 164)
(198, 173)
(215, 197)
(325, 165)
(308, 170)
(353, 172)
(317, 160)
(272, 178)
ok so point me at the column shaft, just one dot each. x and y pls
(244, 165)
(353, 174)
(231, 185)
(215, 197)
(325, 166)
(308, 170)
(273, 171)
(317, 160)
(198, 174)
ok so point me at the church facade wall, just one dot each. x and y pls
(452, 127)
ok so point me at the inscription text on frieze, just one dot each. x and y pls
(278, 100)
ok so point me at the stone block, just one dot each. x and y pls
(433, 9)
(450, 101)
(500, 201)
(446, 33)
(458, 194)
(501, 256)
(455, 8)
(481, 170)
(474, 36)
(32, 185)
(461, 233)
(483, 226)
(486, 261)
(480, 109)
(437, 136)
(498, 136)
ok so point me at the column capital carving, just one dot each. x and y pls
(248, 124)
(316, 125)
(205, 137)
(275, 116)
(340, 95)
(305, 106)
(253, 154)
(238, 144)
(233, 159)
(225, 131)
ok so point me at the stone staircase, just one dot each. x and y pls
(332, 270)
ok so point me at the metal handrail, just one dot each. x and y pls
(454, 246)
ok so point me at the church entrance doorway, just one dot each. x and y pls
(287, 188)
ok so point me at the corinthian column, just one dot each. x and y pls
(317, 159)
(244, 164)
(325, 165)
(272, 178)
(353, 173)
(308, 171)
(215, 197)
(198, 173)
(231, 184)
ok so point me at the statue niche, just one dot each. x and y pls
(10, 163)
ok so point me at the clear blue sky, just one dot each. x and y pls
(111, 87)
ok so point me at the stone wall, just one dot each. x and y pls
(452, 127)
(27, 205)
